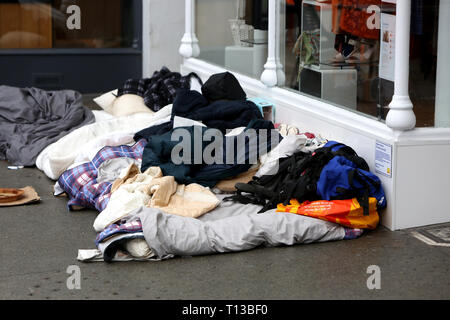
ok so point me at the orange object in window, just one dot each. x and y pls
(354, 18)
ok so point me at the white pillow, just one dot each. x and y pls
(129, 104)
(105, 101)
(138, 248)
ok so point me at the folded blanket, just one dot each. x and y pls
(31, 119)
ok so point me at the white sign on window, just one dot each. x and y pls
(387, 47)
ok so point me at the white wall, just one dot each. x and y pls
(423, 184)
(163, 28)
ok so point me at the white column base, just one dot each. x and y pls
(401, 115)
(269, 75)
(273, 74)
(189, 46)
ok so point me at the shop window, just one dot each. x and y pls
(342, 52)
(66, 24)
(233, 34)
(332, 53)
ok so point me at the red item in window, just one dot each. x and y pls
(354, 18)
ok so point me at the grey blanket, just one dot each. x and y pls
(230, 227)
(31, 119)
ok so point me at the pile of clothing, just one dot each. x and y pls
(161, 161)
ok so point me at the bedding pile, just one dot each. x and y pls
(162, 160)
(31, 119)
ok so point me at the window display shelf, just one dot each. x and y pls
(335, 85)
(347, 65)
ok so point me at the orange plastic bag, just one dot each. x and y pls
(347, 213)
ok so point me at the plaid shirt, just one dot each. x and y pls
(80, 183)
(159, 90)
(114, 229)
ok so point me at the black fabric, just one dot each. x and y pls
(269, 190)
(222, 115)
(159, 90)
(223, 86)
(297, 178)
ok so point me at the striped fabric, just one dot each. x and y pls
(117, 229)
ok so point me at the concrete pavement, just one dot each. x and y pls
(40, 242)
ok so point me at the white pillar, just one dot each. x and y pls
(273, 73)
(280, 41)
(442, 108)
(189, 43)
(401, 115)
(146, 70)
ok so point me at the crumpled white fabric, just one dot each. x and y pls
(111, 169)
(89, 139)
(126, 199)
(91, 148)
(101, 115)
(287, 147)
(138, 248)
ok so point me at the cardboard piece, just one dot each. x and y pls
(30, 196)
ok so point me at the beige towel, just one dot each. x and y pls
(191, 201)
(132, 173)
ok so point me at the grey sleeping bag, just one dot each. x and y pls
(230, 227)
(31, 119)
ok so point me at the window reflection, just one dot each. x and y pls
(43, 24)
(233, 34)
